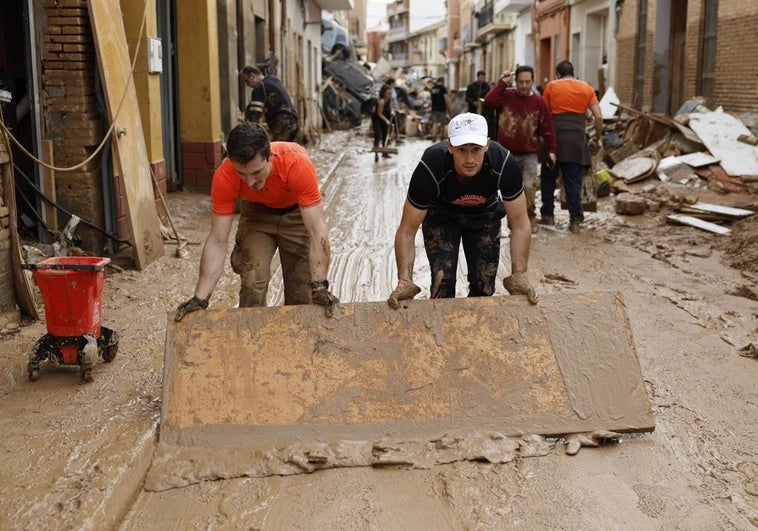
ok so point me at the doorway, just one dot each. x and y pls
(166, 18)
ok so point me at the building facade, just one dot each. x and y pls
(186, 59)
(668, 51)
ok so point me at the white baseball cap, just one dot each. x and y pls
(467, 128)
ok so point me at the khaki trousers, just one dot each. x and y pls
(260, 232)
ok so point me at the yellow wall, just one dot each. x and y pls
(198, 84)
(147, 85)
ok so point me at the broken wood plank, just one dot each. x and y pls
(699, 223)
(707, 216)
(724, 210)
(22, 286)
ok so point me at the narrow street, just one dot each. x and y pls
(74, 455)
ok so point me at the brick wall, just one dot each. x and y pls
(736, 54)
(200, 160)
(71, 117)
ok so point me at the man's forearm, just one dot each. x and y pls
(211, 268)
(521, 237)
(319, 257)
(405, 256)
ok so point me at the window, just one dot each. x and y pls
(708, 64)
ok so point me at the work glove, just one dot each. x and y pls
(405, 290)
(192, 305)
(321, 295)
(519, 283)
(590, 439)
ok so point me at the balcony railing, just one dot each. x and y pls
(485, 16)
(489, 22)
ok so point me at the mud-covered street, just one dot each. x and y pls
(74, 455)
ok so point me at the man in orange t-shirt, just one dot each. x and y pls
(281, 208)
(569, 99)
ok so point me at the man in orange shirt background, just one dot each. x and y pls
(281, 208)
(569, 99)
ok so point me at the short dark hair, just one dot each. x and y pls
(481, 73)
(564, 68)
(524, 68)
(390, 80)
(247, 140)
(251, 70)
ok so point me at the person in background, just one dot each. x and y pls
(569, 100)
(270, 99)
(380, 120)
(524, 124)
(475, 94)
(397, 116)
(280, 208)
(458, 194)
(440, 108)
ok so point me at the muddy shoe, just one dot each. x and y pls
(574, 227)
(547, 220)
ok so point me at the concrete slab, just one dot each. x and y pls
(282, 375)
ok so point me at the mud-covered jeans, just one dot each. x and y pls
(260, 232)
(529, 166)
(480, 233)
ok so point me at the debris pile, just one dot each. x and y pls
(657, 162)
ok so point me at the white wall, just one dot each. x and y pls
(523, 44)
(591, 33)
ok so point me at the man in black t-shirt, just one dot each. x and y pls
(459, 193)
(440, 108)
(270, 98)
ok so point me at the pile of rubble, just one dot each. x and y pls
(698, 149)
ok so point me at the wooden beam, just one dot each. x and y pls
(48, 185)
(129, 141)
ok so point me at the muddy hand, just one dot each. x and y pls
(405, 290)
(591, 439)
(323, 297)
(192, 305)
(519, 283)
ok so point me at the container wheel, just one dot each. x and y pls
(109, 352)
(33, 373)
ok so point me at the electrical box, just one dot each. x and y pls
(154, 55)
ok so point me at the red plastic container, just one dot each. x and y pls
(72, 290)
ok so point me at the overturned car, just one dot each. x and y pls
(349, 92)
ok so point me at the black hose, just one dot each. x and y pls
(63, 210)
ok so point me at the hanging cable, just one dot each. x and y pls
(63, 210)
